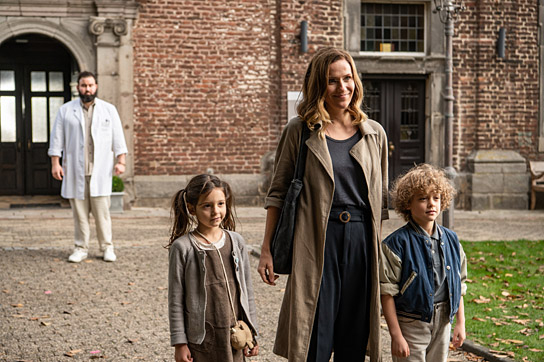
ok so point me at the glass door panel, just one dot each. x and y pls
(37, 82)
(56, 82)
(8, 123)
(39, 119)
(54, 105)
(7, 80)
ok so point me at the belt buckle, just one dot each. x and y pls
(345, 217)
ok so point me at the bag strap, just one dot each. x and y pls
(303, 151)
(224, 272)
(227, 284)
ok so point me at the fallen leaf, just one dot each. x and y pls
(94, 352)
(481, 300)
(478, 319)
(5, 291)
(505, 293)
(508, 275)
(45, 323)
(535, 350)
(87, 261)
(132, 340)
(131, 283)
(523, 322)
(125, 303)
(18, 305)
(18, 316)
(73, 352)
(47, 292)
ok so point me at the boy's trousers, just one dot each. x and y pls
(428, 342)
(342, 317)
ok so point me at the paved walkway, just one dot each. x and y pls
(51, 310)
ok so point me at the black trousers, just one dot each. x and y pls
(341, 321)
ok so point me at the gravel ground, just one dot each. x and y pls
(52, 310)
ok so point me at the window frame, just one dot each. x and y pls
(398, 53)
(434, 32)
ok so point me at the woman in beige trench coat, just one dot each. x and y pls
(339, 183)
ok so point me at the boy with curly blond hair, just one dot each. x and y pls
(423, 271)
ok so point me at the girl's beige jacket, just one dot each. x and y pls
(301, 294)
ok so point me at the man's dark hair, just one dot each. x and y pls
(86, 74)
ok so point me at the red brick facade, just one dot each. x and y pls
(211, 79)
(496, 99)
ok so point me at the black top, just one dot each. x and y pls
(349, 180)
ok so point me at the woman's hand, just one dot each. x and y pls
(182, 353)
(266, 268)
(266, 264)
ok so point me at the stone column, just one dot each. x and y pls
(114, 70)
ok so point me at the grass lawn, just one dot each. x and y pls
(504, 305)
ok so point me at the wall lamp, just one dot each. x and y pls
(304, 36)
(501, 43)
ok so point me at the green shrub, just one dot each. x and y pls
(117, 184)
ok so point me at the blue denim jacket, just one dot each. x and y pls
(406, 271)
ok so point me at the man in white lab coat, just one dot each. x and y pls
(88, 135)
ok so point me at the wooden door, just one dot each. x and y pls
(399, 106)
(34, 83)
(11, 137)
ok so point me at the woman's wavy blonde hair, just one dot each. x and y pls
(312, 108)
(421, 178)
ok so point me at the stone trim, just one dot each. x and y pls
(97, 25)
(17, 26)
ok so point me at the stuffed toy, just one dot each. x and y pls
(241, 336)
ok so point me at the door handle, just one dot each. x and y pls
(391, 148)
(28, 143)
(19, 146)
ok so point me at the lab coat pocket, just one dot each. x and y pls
(105, 131)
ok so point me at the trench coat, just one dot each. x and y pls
(302, 291)
(67, 141)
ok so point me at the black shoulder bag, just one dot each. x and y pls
(281, 245)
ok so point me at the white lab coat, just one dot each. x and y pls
(67, 141)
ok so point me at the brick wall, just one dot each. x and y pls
(496, 103)
(211, 79)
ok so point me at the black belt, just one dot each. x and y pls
(345, 215)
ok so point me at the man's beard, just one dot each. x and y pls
(87, 98)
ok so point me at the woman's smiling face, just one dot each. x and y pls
(340, 86)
